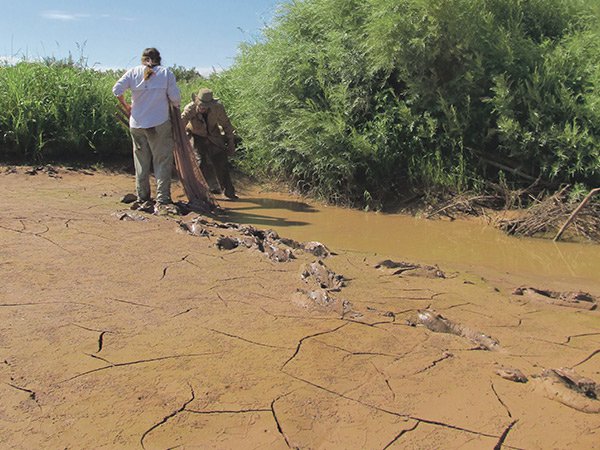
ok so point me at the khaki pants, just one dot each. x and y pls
(153, 147)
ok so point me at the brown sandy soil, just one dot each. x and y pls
(131, 334)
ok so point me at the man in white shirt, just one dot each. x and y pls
(153, 90)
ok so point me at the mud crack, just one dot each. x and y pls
(133, 363)
(32, 394)
(260, 344)
(579, 335)
(402, 433)
(228, 411)
(397, 414)
(131, 303)
(278, 423)
(166, 268)
(500, 400)
(446, 355)
(594, 353)
(100, 337)
(498, 446)
(305, 338)
(167, 418)
(38, 235)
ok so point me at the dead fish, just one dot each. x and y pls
(198, 230)
(250, 242)
(320, 297)
(411, 269)
(439, 324)
(434, 322)
(511, 374)
(290, 243)
(569, 388)
(130, 216)
(227, 243)
(389, 264)
(576, 299)
(317, 249)
(482, 340)
(272, 235)
(323, 276)
(249, 230)
(278, 254)
(574, 381)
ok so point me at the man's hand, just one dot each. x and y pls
(126, 106)
(230, 147)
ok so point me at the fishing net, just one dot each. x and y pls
(194, 184)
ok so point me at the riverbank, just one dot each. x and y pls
(121, 329)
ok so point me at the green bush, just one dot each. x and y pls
(358, 101)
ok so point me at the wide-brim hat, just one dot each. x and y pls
(205, 97)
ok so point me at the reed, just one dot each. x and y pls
(58, 110)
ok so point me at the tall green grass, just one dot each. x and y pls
(57, 110)
(64, 110)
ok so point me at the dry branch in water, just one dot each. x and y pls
(546, 217)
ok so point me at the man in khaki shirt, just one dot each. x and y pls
(214, 141)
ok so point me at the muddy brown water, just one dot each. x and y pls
(463, 244)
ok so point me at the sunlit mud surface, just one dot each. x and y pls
(121, 329)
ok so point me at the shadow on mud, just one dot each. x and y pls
(249, 212)
(271, 203)
(242, 217)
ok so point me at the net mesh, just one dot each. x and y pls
(194, 183)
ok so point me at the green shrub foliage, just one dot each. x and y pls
(359, 101)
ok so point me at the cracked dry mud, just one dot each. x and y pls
(127, 334)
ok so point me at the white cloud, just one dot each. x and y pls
(64, 16)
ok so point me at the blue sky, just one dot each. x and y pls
(204, 34)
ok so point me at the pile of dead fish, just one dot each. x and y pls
(266, 241)
(321, 283)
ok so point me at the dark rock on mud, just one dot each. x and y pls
(47, 169)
